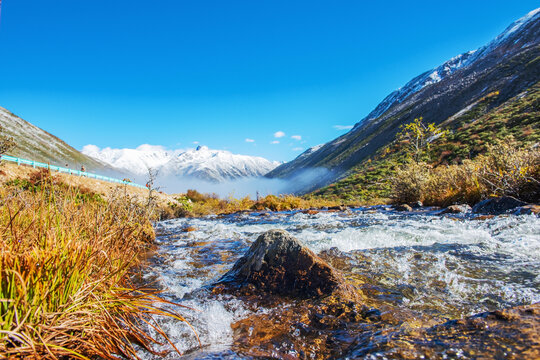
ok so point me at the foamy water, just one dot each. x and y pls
(451, 267)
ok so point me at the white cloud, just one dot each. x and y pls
(279, 134)
(250, 140)
(275, 142)
(195, 142)
(298, 148)
(343, 127)
(296, 137)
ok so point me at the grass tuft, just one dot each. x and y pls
(65, 262)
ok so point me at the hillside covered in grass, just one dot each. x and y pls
(469, 134)
(36, 144)
(507, 66)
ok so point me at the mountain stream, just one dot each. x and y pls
(420, 269)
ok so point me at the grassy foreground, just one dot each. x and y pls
(65, 261)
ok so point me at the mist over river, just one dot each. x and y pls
(434, 267)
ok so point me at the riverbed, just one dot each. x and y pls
(420, 262)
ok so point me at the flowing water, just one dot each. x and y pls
(441, 267)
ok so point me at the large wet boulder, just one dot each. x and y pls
(496, 206)
(278, 263)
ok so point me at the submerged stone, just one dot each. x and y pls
(456, 209)
(278, 263)
(402, 207)
(189, 229)
(502, 334)
(527, 210)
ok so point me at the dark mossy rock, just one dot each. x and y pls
(496, 206)
(278, 263)
(310, 212)
(417, 204)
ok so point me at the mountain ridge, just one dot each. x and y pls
(34, 143)
(508, 64)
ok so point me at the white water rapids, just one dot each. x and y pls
(450, 266)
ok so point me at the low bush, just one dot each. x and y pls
(409, 182)
(510, 170)
(505, 169)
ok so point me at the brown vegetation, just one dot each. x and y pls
(106, 189)
(65, 259)
(505, 169)
(193, 204)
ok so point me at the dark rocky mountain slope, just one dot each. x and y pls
(508, 65)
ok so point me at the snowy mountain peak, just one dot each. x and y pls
(309, 151)
(512, 34)
(201, 162)
(430, 77)
(516, 25)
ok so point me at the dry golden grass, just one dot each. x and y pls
(106, 189)
(65, 261)
(503, 170)
(196, 204)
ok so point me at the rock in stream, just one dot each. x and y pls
(278, 263)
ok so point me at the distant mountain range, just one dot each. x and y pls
(201, 163)
(509, 65)
(213, 166)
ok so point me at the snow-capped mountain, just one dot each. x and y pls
(136, 161)
(441, 72)
(200, 163)
(430, 77)
(507, 65)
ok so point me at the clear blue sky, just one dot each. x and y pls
(171, 72)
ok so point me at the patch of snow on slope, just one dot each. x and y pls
(517, 24)
(310, 151)
(418, 83)
(506, 34)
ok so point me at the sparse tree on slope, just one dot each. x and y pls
(419, 135)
